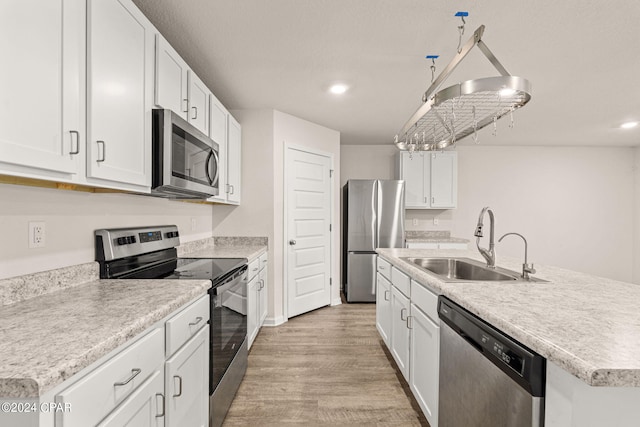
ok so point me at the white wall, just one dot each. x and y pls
(264, 135)
(70, 219)
(575, 205)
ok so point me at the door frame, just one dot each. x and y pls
(285, 226)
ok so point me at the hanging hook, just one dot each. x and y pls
(433, 65)
(461, 29)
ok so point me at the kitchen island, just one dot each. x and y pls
(585, 326)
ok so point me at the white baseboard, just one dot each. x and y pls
(336, 301)
(277, 321)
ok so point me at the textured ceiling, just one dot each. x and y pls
(582, 58)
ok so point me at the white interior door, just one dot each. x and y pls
(308, 236)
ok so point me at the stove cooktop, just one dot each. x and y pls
(214, 269)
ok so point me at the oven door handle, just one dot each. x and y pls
(212, 154)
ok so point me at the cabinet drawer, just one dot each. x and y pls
(384, 268)
(186, 324)
(263, 260)
(254, 267)
(401, 281)
(425, 300)
(99, 392)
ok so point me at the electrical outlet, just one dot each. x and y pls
(435, 221)
(37, 236)
(415, 221)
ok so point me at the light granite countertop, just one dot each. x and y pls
(48, 338)
(587, 325)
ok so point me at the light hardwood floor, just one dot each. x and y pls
(326, 368)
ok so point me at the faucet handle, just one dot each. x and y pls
(528, 268)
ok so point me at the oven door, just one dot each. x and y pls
(228, 325)
(185, 160)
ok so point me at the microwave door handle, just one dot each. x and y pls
(206, 167)
(215, 156)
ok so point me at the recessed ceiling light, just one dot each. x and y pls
(507, 92)
(629, 125)
(338, 89)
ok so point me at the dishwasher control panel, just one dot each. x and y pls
(503, 352)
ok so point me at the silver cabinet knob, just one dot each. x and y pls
(292, 242)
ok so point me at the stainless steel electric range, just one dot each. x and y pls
(150, 253)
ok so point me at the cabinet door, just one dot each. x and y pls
(412, 169)
(218, 132)
(144, 408)
(234, 161)
(444, 179)
(383, 308)
(262, 309)
(400, 331)
(198, 103)
(120, 76)
(171, 79)
(252, 308)
(425, 356)
(41, 82)
(187, 383)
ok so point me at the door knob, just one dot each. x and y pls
(292, 242)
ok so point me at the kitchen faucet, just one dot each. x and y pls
(488, 254)
(526, 268)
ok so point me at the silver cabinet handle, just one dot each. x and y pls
(403, 311)
(134, 373)
(179, 383)
(77, 134)
(433, 200)
(228, 188)
(261, 284)
(386, 295)
(104, 151)
(186, 108)
(292, 242)
(409, 322)
(232, 189)
(163, 405)
(195, 111)
(198, 320)
(425, 200)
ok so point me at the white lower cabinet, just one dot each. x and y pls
(383, 307)
(399, 331)
(186, 382)
(409, 325)
(252, 309)
(424, 363)
(140, 385)
(257, 296)
(144, 408)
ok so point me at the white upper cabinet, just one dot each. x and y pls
(42, 85)
(431, 179)
(171, 79)
(198, 103)
(234, 160)
(218, 132)
(120, 81)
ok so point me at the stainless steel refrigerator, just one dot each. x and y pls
(373, 217)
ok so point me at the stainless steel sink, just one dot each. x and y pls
(464, 269)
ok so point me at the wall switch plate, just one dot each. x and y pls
(37, 236)
(415, 221)
(435, 221)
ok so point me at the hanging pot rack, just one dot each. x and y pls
(462, 109)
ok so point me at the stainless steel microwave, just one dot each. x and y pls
(185, 161)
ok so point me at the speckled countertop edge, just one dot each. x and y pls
(225, 247)
(49, 338)
(587, 325)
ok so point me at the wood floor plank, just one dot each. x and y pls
(324, 368)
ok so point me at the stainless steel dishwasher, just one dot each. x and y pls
(487, 379)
